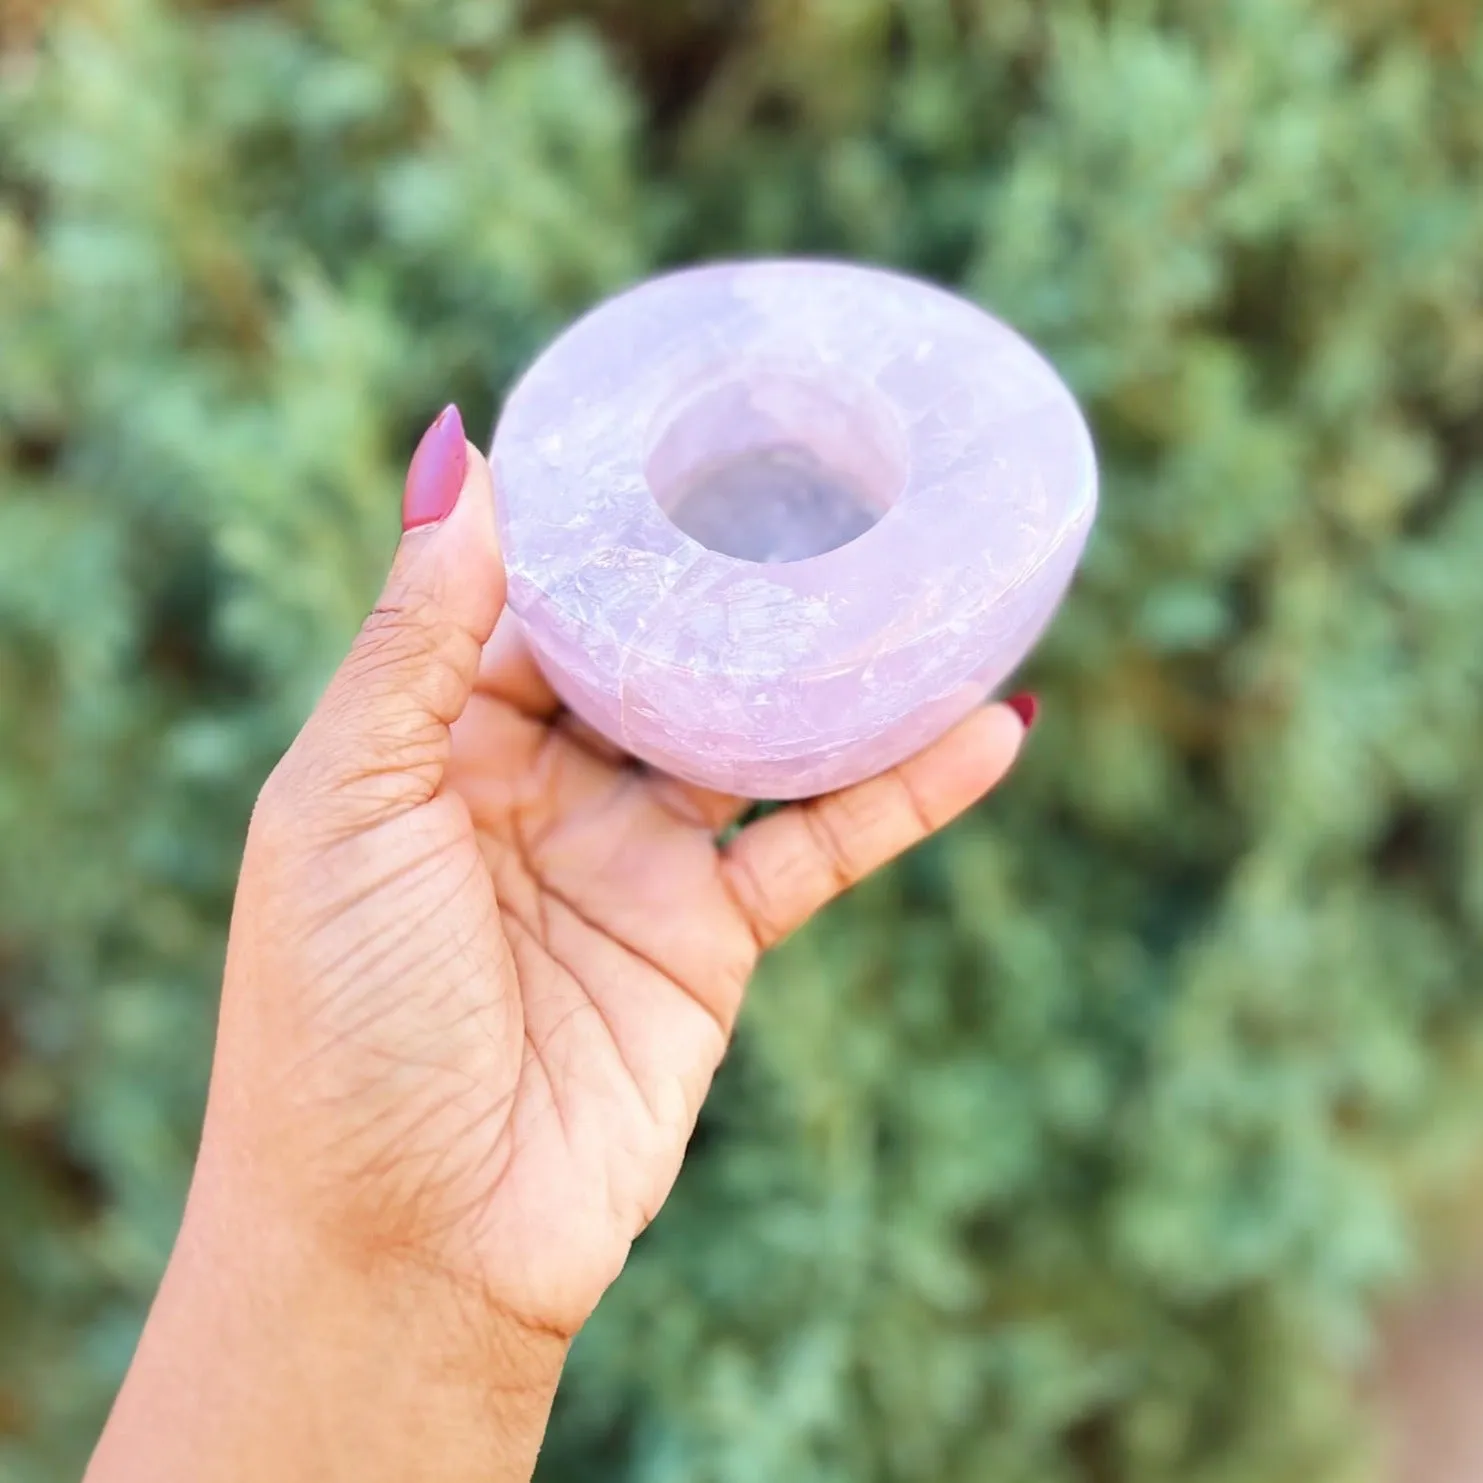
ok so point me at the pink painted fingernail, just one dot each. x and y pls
(436, 472)
(1025, 706)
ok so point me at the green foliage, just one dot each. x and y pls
(1081, 1147)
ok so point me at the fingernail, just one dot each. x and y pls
(436, 472)
(1025, 706)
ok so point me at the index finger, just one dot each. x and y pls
(509, 673)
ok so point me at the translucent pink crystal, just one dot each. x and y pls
(773, 526)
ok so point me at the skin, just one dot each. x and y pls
(482, 969)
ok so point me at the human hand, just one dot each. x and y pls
(483, 967)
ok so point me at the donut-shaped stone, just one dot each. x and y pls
(774, 526)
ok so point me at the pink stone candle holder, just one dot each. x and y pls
(773, 526)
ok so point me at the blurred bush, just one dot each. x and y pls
(1084, 1145)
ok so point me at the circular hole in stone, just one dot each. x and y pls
(776, 466)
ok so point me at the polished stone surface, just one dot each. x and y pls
(773, 526)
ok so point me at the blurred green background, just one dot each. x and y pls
(1083, 1147)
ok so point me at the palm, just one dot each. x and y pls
(631, 936)
(630, 952)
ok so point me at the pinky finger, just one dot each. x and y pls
(785, 867)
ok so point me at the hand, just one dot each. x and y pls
(482, 966)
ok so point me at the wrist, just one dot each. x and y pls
(270, 1353)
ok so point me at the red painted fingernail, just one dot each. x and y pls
(436, 472)
(1025, 706)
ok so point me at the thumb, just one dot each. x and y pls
(378, 741)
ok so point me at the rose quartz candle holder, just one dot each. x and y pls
(774, 526)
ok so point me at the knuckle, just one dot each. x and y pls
(396, 632)
(924, 818)
(757, 904)
(830, 828)
(413, 648)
